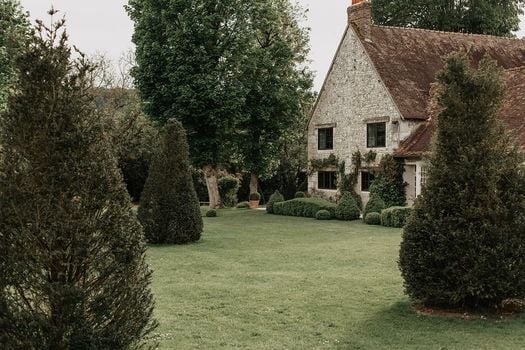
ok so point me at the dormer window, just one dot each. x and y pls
(325, 139)
(376, 135)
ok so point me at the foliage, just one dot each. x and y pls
(463, 246)
(469, 16)
(375, 205)
(228, 188)
(319, 164)
(212, 213)
(243, 205)
(323, 215)
(274, 198)
(373, 218)
(14, 36)
(255, 196)
(389, 184)
(305, 207)
(169, 208)
(347, 208)
(300, 194)
(395, 216)
(72, 269)
(199, 183)
(370, 156)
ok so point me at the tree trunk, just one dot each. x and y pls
(210, 173)
(254, 183)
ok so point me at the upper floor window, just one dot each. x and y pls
(325, 138)
(327, 180)
(376, 135)
(366, 180)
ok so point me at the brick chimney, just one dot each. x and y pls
(360, 17)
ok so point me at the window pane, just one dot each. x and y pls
(325, 138)
(366, 180)
(327, 180)
(376, 135)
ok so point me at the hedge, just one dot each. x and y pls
(305, 207)
(395, 216)
(323, 215)
(373, 218)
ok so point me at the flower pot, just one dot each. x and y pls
(254, 204)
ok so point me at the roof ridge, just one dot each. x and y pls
(452, 33)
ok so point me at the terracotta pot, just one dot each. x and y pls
(254, 204)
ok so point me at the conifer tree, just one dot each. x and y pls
(464, 244)
(169, 207)
(72, 268)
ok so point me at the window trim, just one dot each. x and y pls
(368, 125)
(329, 145)
(332, 182)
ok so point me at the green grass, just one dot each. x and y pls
(258, 281)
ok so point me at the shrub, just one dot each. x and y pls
(169, 209)
(255, 196)
(212, 213)
(373, 219)
(323, 215)
(305, 207)
(395, 216)
(243, 205)
(274, 198)
(300, 194)
(389, 184)
(228, 188)
(347, 208)
(375, 205)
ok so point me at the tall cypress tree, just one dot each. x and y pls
(72, 269)
(169, 207)
(465, 241)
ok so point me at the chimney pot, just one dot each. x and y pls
(360, 18)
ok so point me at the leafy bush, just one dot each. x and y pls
(347, 208)
(243, 205)
(274, 198)
(395, 216)
(228, 188)
(255, 196)
(373, 218)
(212, 213)
(305, 207)
(323, 215)
(389, 184)
(300, 194)
(375, 205)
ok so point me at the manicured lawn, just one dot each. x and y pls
(259, 281)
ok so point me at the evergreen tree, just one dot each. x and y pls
(492, 17)
(72, 268)
(464, 244)
(169, 207)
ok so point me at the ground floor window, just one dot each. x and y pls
(327, 180)
(366, 180)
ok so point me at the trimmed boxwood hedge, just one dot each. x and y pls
(243, 205)
(323, 215)
(274, 198)
(373, 218)
(305, 207)
(395, 216)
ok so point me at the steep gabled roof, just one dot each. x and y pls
(408, 59)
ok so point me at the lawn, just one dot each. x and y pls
(259, 281)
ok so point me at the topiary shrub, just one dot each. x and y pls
(305, 207)
(255, 196)
(347, 208)
(228, 188)
(212, 213)
(243, 205)
(169, 209)
(395, 216)
(375, 205)
(323, 215)
(373, 219)
(300, 194)
(276, 197)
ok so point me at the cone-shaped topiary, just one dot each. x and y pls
(463, 245)
(72, 268)
(276, 197)
(169, 207)
(375, 205)
(347, 208)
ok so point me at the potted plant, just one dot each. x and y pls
(254, 200)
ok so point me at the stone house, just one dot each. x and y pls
(376, 98)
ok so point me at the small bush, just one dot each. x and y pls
(374, 205)
(373, 219)
(212, 213)
(395, 216)
(323, 215)
(228, 188)
(274, 198)
(255, 196)
(347, 209)
(300, 194)
(305, 207)
(243, 205)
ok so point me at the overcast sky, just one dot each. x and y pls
(102, 26)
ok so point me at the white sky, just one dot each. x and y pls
(102, 26)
